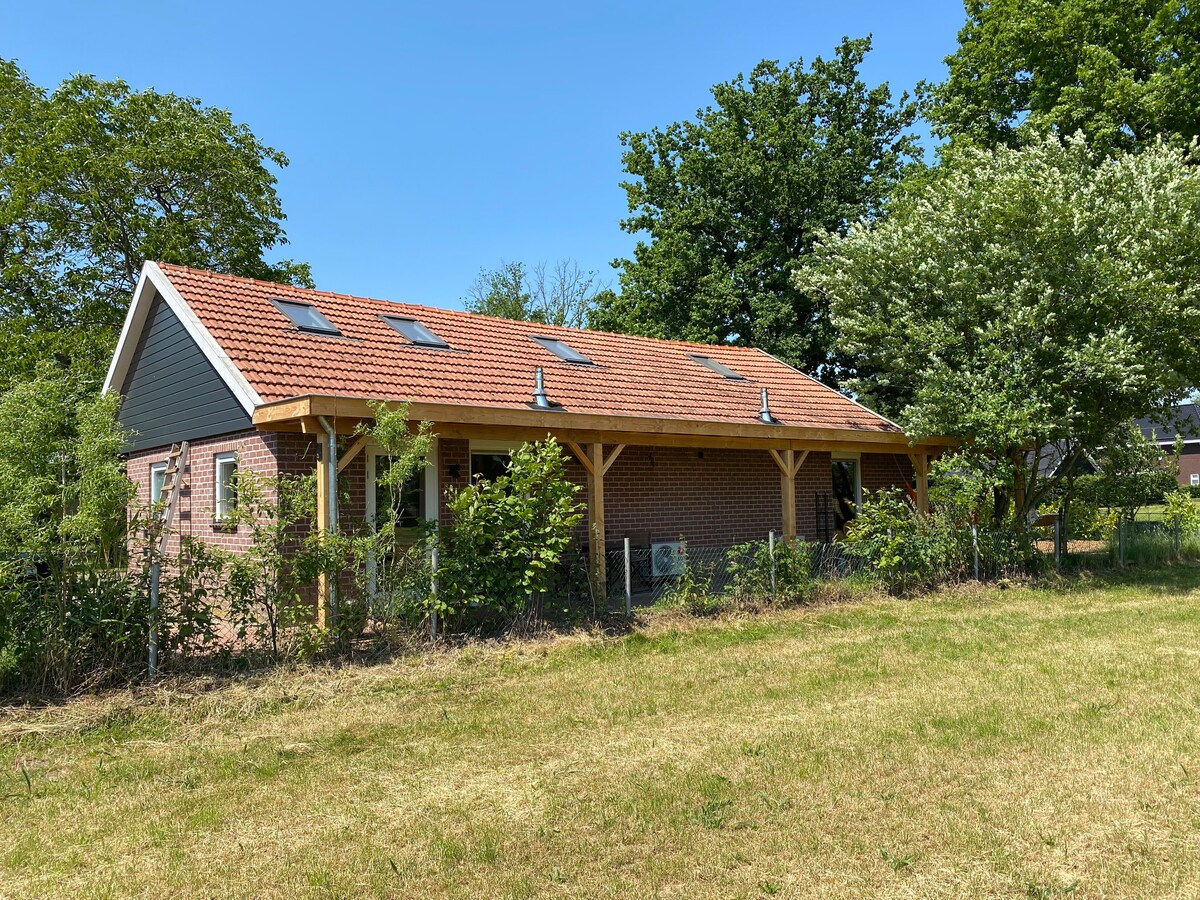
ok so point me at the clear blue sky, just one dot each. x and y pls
(429, 140)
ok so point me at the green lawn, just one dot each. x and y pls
(1154, 512)
(991, 742)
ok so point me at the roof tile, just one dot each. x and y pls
(492, 361)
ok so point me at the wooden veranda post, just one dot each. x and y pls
(920, 463)
(596, 464)
(789, 463)
(324, 525)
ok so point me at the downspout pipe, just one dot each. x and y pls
(331, 443)
(331, 473)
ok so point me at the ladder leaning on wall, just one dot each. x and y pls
(173, 484)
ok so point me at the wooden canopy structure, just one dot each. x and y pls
(596, 441)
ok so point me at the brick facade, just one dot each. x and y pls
(706, 497)
(1189, 463)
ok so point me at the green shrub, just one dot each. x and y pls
(506, 536)
(1180, 512)
(749, 570)
(1088, 521)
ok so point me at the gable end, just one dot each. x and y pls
(171, 391)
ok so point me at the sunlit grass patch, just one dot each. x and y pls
(1027, 740)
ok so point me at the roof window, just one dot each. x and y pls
(723, 370)
(305, 316)
(563, 351)
(415, 332)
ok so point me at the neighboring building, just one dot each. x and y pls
(1183, 422)
(669, 438)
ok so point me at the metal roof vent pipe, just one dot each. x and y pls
(539, 392)
(765, 412)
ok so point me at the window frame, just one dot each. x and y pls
(551, 344)
(437, 343)
(284, 305)
(1195, 480)
(716, 367)
(224, 506)
(158, 473)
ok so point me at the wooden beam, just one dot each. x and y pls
(581, 455)
(356, 447)
(596, 517)
(324, 524)
(920, 463)
(792, 469)
(787, 490)
(625, 426)
(612, 457)
(801, 456)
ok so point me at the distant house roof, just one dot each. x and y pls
(269, 348)
(1182, 421)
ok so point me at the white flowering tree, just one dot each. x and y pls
(1024, 299)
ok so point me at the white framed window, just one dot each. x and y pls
(489, 459)
(158, 480)
(1195, 480)
(225, 486)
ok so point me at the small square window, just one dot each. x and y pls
(305, 316)
(1195, 480)
(158, 480)
(563, 351)
(225, 490)
(415, 332)
(721, 369)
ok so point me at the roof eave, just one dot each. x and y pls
(289, 412)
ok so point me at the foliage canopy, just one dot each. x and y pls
(1123, 73)
(732, 200)
(1024, 298)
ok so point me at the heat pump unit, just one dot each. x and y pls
(666, 559)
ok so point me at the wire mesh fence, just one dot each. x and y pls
(680, 573)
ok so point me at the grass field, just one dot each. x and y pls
(990, 742)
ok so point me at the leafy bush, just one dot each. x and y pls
(749, 570)
(506, 536)
(1088, 521)
(1180, 512)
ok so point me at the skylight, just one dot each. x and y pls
(305, 316)
(415, 332)
(563, 351)
(724, 371)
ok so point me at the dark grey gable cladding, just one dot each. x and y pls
(172, 392)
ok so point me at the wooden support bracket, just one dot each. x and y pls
(356, 447)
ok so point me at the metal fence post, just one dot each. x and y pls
(1058, 543)
(433, 591)
(975, 547)
(1121, 542)
(628, 582)
(771, 552)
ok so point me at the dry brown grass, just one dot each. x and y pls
(1020, 742)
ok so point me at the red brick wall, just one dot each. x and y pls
(194, 516)
(1189, 463)
(708, 497)
(885, 470)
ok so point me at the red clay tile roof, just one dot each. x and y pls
(492, 361)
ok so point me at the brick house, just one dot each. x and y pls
(712, 444)
(1182, 423)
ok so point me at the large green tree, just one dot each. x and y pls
(96, 178)
(1123, 72)
(1023, 299)
(564, 294)
(732, 200)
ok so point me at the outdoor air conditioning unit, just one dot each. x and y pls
(666, 559)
